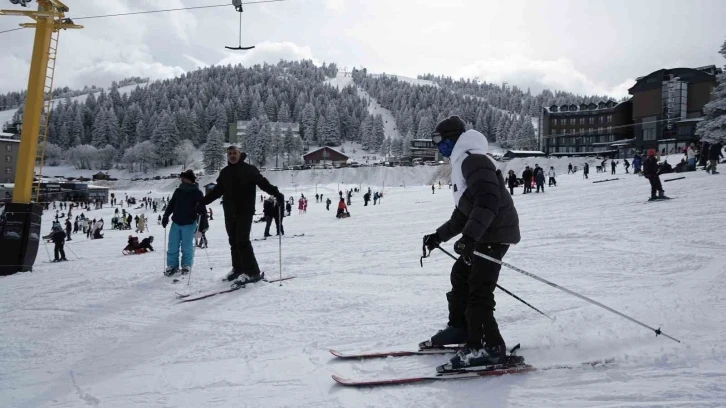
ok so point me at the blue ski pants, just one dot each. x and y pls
(181, 236)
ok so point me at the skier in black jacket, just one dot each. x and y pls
(486, 218)
(714, 155)
(59, 239)
(650, 171)
(237, 184)
(527, 178)
(268, 210)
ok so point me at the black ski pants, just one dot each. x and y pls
(278, 225)
(268, 220)
(540, 184)
(59, 252)
(471, 299)
(553, 182)
(238, 230)
(655, 185)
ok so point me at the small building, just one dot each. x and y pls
(424, 150)
(238, 130)
(325, 155)
(101, 176)
(511, 154)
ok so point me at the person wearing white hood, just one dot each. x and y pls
(484, 214)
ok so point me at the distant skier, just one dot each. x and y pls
(366, 198)
(585, 170)
(327, 204)
(486, 217)
(569, 168)
(551, 174)
(59, 238)
(650, 171)
(714, 155)
(512, 181)
(184, 205)
(288, 207)
(539, 177)
(268, 209)
(613, 164)
(68, 230)
(237, 184)
(375, 197)
(432, 189)
(626, 164)
(527, 177)
(342, 209)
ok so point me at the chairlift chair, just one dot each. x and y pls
(238, 6)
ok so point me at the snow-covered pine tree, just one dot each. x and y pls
(249, 142)
(332, 126)
(397, 147)
(166, 138)
(264, 139)
(276, 143)
(271, 108)
(99, 137)
(213, 151)
(76, 129)
(425, 128)
(366, 130)
(320, 133)
(713, 126)
(185, 154)
(307, 123)
(220, 119)
(283, 113)
(288, 143)
(113, 132)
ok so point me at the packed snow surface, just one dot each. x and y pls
(106, 330)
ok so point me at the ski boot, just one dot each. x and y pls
(448, 336)
(170, 271)
(233, 275)
(185, 270)
(470, 359)
(243, 279)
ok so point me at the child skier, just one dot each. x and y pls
(184, 206)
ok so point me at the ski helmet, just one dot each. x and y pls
(446, 134)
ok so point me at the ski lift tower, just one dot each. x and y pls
(20, 228)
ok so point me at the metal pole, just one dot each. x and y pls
(279, 239)
(585, 298)
(506, 291)
(165, 250)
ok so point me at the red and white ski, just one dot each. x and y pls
(403, 353)
(491, 371)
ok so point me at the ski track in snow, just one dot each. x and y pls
(106, 330)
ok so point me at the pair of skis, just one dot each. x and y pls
(185, 298)
(515, 366)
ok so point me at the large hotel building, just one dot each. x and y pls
(662, 114)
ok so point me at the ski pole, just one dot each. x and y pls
(585, 298)
(166, 249)
(74, 254)
(279, 238)
(46, 249)
(506, 291)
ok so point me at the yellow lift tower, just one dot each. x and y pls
(20, 227)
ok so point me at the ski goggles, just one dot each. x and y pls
(437, 137)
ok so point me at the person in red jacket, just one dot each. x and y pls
(342, 209)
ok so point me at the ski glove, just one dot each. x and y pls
(164, 221)
(465, 247)
(431, 241)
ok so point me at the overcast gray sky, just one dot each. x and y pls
(582, 46)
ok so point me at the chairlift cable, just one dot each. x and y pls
(174, 9)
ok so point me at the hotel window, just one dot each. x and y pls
(582, 121)
(610, 118)
(591, 120)
(573, 131)
(9, 148)
(582, 131)
(8, 159)
(610, 129)
(8, 170)
(648, 134)
(554, 122)
(600, 119)
(572, 121)
(600, 130)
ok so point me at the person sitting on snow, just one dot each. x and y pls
(146, 244)
(342, 209)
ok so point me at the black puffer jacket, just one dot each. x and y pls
(650, 166)
(238, 183)
(485, 211)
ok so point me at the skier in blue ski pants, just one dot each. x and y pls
(184, 205)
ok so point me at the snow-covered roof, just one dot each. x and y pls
(8, 139)
(690, 120)
(525, 152)
(326, 147)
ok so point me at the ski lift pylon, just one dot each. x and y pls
(238, 6)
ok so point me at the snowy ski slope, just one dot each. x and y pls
(105, 330)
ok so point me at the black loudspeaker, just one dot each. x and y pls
(19, 237)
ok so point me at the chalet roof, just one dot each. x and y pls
(329, 148)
